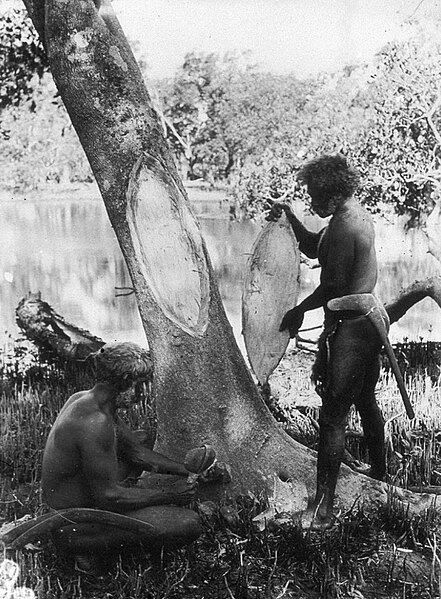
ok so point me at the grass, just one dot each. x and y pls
(364, 556)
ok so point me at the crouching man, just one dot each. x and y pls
(90, 457)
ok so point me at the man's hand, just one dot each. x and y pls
(292, 321)
(276, 211)
(218, 472)
(183, 491)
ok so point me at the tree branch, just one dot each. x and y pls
(413, 294)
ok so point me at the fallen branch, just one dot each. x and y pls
(413, 294)
(51, 332)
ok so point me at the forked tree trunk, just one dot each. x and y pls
(204, 392)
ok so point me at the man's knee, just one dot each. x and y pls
(173, 525)
(332, 421)
(183, 530)
(192, 525)
(371, 417)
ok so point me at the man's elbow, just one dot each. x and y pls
(333, 290)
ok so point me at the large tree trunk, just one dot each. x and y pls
(204, 392)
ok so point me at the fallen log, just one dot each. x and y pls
(52, 333)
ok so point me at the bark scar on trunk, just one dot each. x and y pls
(167, 238)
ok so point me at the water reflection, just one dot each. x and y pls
(68, 250)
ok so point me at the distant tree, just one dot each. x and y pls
(37, 141)
(318, 117)
(386, 119)
(185, 101)
(401, 149)
(23, 60)
(255, 111)
(40, 146)
(222, 112)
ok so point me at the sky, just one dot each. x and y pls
(299, 36)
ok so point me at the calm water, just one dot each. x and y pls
(66, 249)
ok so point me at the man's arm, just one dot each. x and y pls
(308, 241)
(337, 271)
(100, 468)
(133, 451)
(293, 319)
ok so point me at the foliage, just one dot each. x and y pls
(272, 177)
(219, 112)
(401, 148)
(386, 118)
(22, 59)
(230, 123)
(40, 146)
(37, 142)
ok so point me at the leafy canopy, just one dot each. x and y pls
(22, 58)
(230, 123)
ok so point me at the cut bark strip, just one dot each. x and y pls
(41, 526)
(271, 288)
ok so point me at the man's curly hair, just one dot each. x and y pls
(122, 363)
(331, 174)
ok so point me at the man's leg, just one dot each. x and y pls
(372, 421)
(330, 454)
(345, 373)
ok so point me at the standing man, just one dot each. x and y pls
(348, 364)
(89, 454)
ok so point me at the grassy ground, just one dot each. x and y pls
(389, 555)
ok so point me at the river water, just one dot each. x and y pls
(66, 248)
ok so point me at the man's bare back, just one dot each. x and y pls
(80, 464)
(63, 482)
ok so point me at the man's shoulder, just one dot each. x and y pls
(354, 219)
(81, 410)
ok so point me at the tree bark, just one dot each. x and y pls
(203, 390)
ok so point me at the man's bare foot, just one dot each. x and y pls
(360, 467)
(367, 470)
(312, 519)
